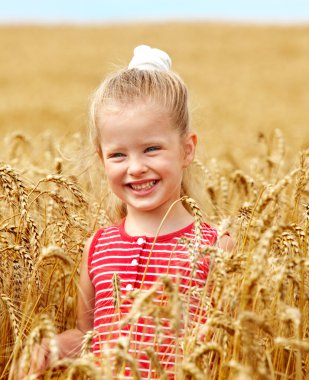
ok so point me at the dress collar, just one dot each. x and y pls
(159, 238)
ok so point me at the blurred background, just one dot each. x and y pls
(246, 64)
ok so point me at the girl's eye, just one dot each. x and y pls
(152, 149)
(116, 155)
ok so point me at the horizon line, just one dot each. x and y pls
(119, 22)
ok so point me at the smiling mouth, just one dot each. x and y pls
(143, 186)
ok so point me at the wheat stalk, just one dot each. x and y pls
(12, 313)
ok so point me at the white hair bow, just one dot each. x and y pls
(147, 58)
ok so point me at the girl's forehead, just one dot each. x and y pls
(141, 123)
(139, 106)
(132, 115)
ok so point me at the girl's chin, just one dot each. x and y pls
(155, 206)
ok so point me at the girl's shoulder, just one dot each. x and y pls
(104, 234)
(101, 237)
(207, 228)
(207, 233)
(209, 236)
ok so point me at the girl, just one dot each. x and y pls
(140, 129)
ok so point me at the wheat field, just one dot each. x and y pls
(249, 98)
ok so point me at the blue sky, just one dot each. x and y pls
(97, 11)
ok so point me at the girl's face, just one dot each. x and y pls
(144, 156)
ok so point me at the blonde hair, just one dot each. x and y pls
(128, 86)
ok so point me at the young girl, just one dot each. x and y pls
(140, 128)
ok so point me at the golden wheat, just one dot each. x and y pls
(256, 296)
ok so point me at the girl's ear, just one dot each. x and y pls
(190, 142)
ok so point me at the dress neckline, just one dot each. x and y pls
(151, 239)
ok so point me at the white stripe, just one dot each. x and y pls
(180, 274)
(136, 325)
(145, 261)
(145, 256)
(160, 270)
(151, 265)
(121, 244)
(144, 250)
(183, 289)
(105, 299)
(200, 307)
(134, 243)
(109, 257)
(147, 344)
(108, 231)
(127, 332)
(123, 313)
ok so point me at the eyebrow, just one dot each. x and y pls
(142, 145)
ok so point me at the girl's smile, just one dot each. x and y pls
(142, 186)
(144, 156)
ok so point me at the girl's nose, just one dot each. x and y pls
(136, 167)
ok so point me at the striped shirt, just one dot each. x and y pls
(140, 261)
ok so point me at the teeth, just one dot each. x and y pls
(143, 186)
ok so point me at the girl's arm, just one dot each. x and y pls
(69, 342)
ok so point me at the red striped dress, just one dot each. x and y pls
(140, 261)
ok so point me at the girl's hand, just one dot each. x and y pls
(39, 361)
